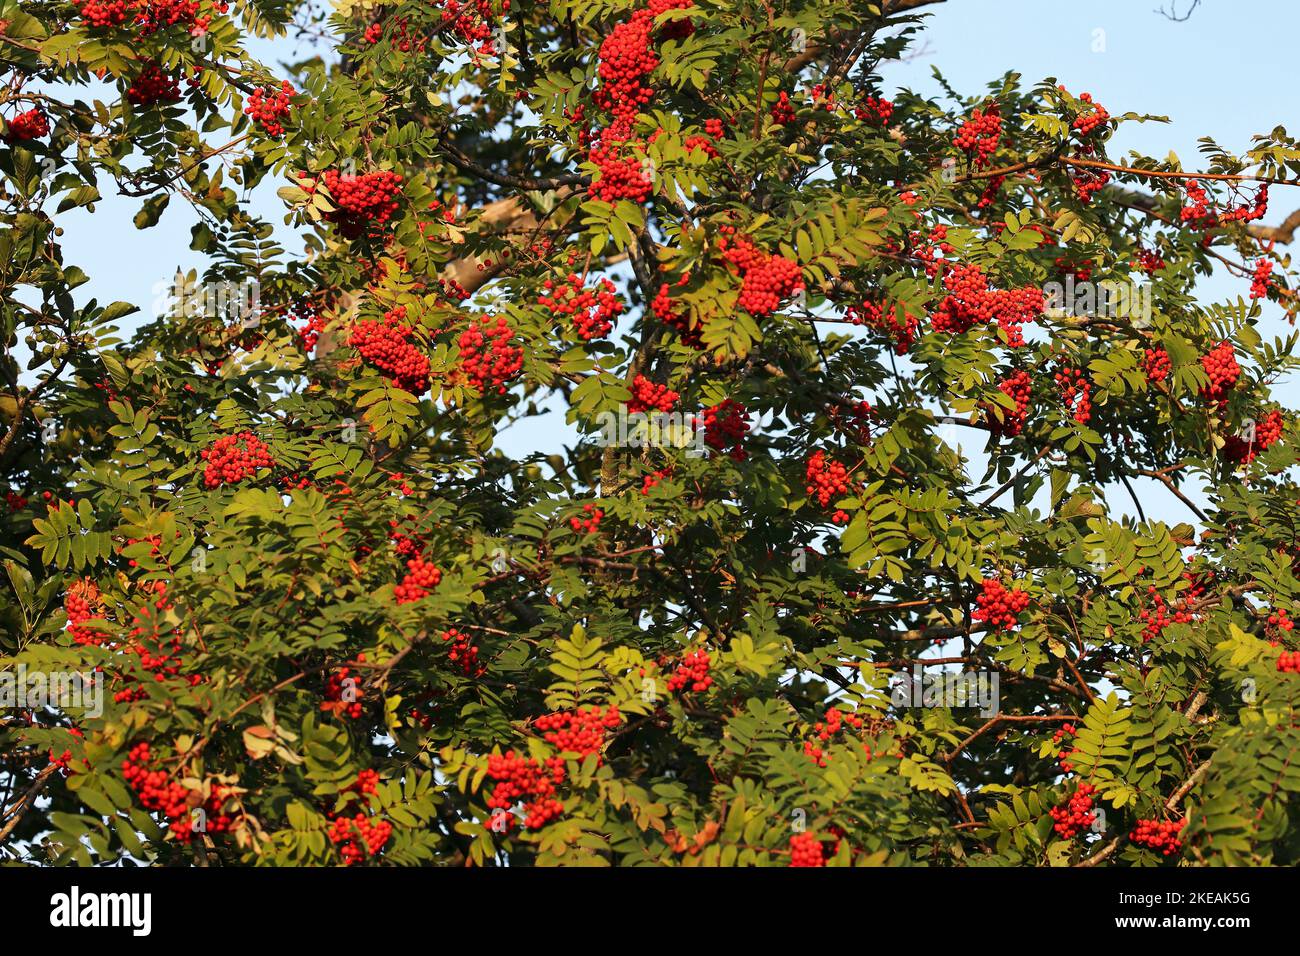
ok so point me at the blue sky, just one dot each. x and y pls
(1219, 74)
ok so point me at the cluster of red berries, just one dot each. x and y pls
(593, 311)
(151, 85)
(828, 728)
(1259, 282)
(827, 478)
(1159, 835)
(1267, 431)
(487, 358)
(874, 109)
(999, 605)
(1089, 182)
(463, 652)
(1090, 120)
(647, 395)
(32, 124)
(64, 760)
(386, 345)
(782, 110)
(806, 850)
(471, 20)
(653, 479)
(1288, 662)
(363, 202)
(626, 58)
(1198, 214)
(622, 175)
(358, 837)
(1076, 393)
(149, 16)
(343, 693)
(765, 279)
(581, 731)
(1063, 755)
(1156, 364)
(268, 106)
(421, 578)
(157, 791)
(232, 458)
(1221, 366)
(1149, 261)
(367, 782)
(970, 302)
(677, 318)
(978, 136)
(1075, 814)
(15, 501)
(81, 604)
(714, 130)
(400, 39)
(895, 323)
(1279, 621)
(1019, 386)
(725, 427)
(1156, 617)
(591, 523)
(523, 778)
(692, 673)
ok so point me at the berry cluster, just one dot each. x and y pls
(421, 578)
(1091, 119)
(268, 106)
(782, 110)
(487, 359)
(232, 458)
(874, 109)
(343, 693)
(1279, 622)
(1076, 393)
(622, 176)
(1159, 835)
(581, 731)
(653, 479)
(386, 346)
(1089, 182)
(894, 322)
(1259, 282)
(593, 311)
(806, 850)
(81, 604)
(828, 728)
(362, 202)
(827, 478)
(666, 312)
(970, 302)
(1156, 364)
(32, 124)
(1221, 365)
(1019, 386)
(999, 605)
(725, 427)
(978, 136)
(472, 21)
(358, 837)
(589, 524)
(626, 58)
(151, 85)
(1156, 617)
(1198, 214)
(157, 791)
(692, 673)
(1149, 261)
(463, 653)
(149, 16)
(1266, 432)
(1288, 662)
(647, 395)
(1075, 814)
(523, 778)
(765, 279)
(1063, 755)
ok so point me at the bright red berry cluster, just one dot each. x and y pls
(895, 323)
(1221, 365)
(487, 359)
(1063, 755)
(1267, 431)
(151, 85)
(149, 16)
(978, 136)
(1279, 622)
(421, 578)
(1156, 617)
(1091, 119)
(581, 731)
(765, 279)
(692, 673)
(1159, 835)
(1288, 662)
(827, 478)
(268, 106)
(1199, 214)
(623, 174)
(358, 837)
(343, 693)
(591, 523)
(1259, 282)
(999, 605)
(362, 202)
(782, 110)
(677, 318)
(647, 395)
(386, 346)
(725, 427)
(593, 311)
(1076, 814)
(1076, 393)
(472, 21)
(81, 604)
(32, 124)
(874, 109)
(1019, 386)
(158, 791)
(806, 850)
(970, 302)
(524, 779)
(1156, 364)
(463, 652)
(232, 458)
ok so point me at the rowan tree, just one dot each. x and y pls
(339, 623)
